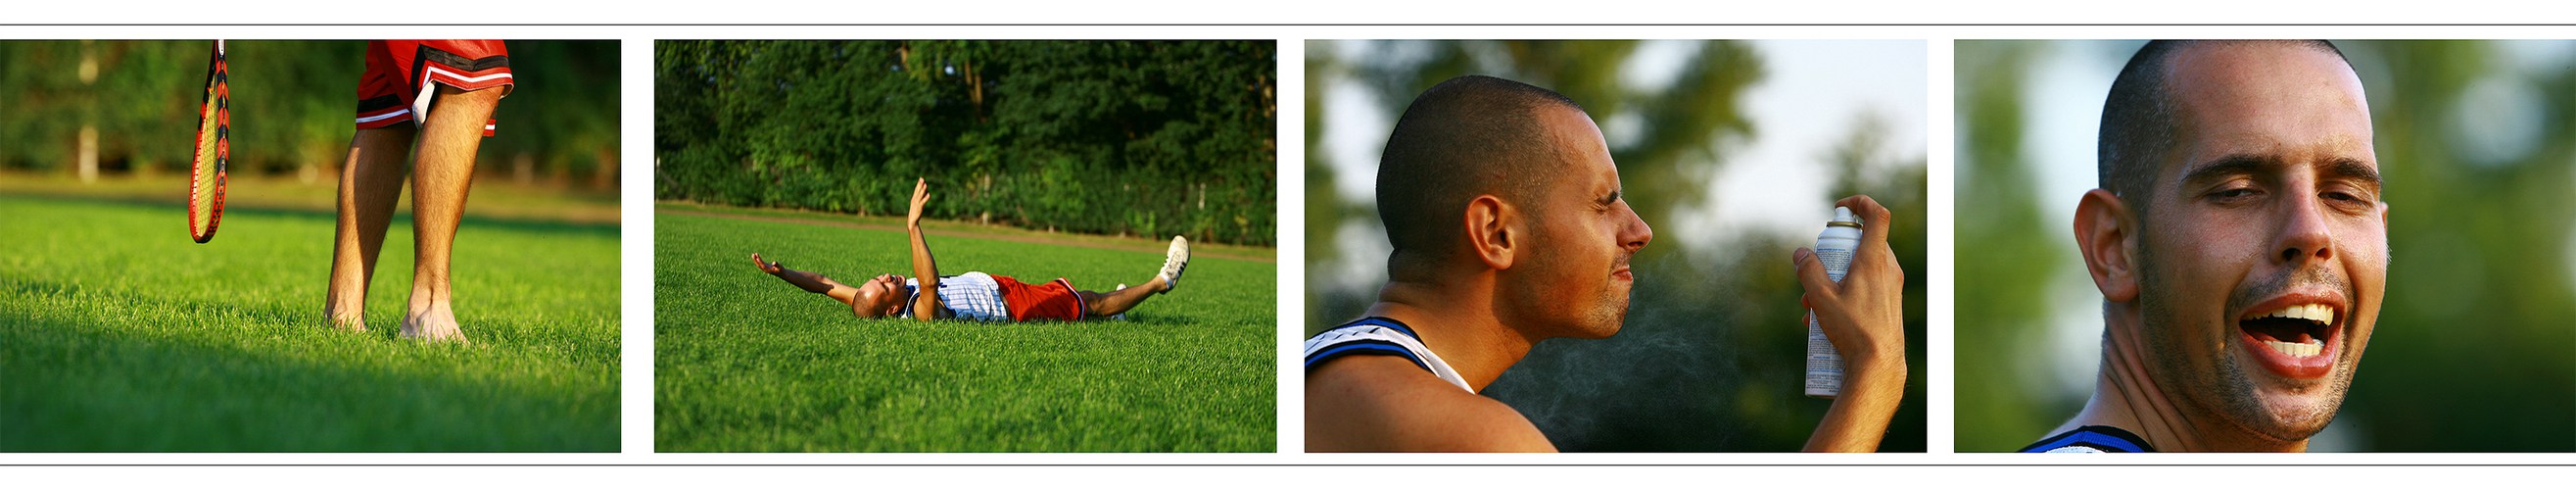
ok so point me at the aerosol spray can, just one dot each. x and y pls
(1834, 249)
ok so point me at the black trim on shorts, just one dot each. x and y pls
(379, 103)
(423, 54)
(452, 59)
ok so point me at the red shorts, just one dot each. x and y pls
(1053, 300)
(402, 76)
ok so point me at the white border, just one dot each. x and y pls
(1313, 12)
(637, 385)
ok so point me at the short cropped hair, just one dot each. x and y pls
(1468, 136)
(2138, 117)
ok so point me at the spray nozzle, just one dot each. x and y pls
(1844, 215)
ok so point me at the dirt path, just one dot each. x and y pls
(1057, 239)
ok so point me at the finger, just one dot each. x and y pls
(1873, 217)
(1811, 275)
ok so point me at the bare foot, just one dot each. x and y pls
(769, 267)
(433, 323)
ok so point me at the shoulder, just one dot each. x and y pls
(1387, 404)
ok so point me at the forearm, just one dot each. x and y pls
(1873, 387)
(807, 281)
(925, 271)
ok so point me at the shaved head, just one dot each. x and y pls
(2139, 118)
(1468, 136)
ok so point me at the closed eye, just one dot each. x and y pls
(2348, 202)
(2235, 195)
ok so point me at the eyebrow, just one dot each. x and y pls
(2229, 165)
(2350, 169)
(2250, 163)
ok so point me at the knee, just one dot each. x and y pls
(372, 147)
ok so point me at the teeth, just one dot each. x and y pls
(2321, 314)
(2310, 348)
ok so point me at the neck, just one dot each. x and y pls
(1461, 328)
(2126, 396)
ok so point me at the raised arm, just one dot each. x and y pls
(925, 306)
(1864, 315)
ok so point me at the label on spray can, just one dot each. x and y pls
(1834, 250)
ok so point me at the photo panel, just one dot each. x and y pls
(2179, 246)
(1103, 216)
(1643, 200)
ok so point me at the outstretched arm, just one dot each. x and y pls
(808, 281)
(925, 271)
(1864, 316)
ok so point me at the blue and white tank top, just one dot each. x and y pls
(971, 296)
(2091, 439)
(1378, 336)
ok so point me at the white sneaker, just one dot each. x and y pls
(1175, 260)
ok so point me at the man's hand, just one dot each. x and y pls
(1864, 316)
(920, 196)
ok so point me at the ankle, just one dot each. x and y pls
(422, 301)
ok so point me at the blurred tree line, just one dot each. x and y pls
(293, 107)
(1711, 357)
(2472, 350)
(1148, 138)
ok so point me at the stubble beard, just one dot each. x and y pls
(1588, 312)
(2236, 397)
(1611, 310)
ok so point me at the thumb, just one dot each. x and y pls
(1811, 275)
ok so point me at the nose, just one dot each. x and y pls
(1636, 233)
(2304, 235)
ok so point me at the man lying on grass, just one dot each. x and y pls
(976, 295)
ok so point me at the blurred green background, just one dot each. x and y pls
(1150, 138)
(2473, 350)
(1733, 151)
(293, 105)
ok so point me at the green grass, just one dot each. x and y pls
(746, 362)
(118, 334)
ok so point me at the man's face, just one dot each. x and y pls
(879, 297)
(2264, 253)
(1580, 237)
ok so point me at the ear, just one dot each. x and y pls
(2106, 232)
(1492, 231)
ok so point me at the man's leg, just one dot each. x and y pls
(1175, 259)
(1103, 304)
(370, 182)
(443, 169)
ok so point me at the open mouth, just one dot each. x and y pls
(2293, 340)
(2295, 331)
